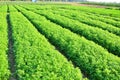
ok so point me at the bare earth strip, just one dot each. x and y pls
(10, 50)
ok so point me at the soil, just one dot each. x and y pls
(11, 56)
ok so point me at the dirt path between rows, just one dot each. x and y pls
(11, 57)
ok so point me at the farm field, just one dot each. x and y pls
(103, 4)
(59, 42)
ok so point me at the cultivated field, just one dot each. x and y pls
(59, 42)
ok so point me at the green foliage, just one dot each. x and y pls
(95, 61)
(36, 58)
(4, 71)
(3, 8)
(101, 37)
(103, 19)
(109, 14)
(90, 21)
(103, 4)
(11, 8)
(102, 11)
(82, 16)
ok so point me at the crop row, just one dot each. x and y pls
(103, 19)
(101, 11)
(11, 8)
(4, 68)
(35, 57)
(103, 38)
(3, 8)
(93, 60)
(80, 9)
(92, 18)
(95, 11)
(108, 5)
(74, 8)
(87, 19)
(108, 17)
(91, 22)
(87, 15)
(47, 7)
